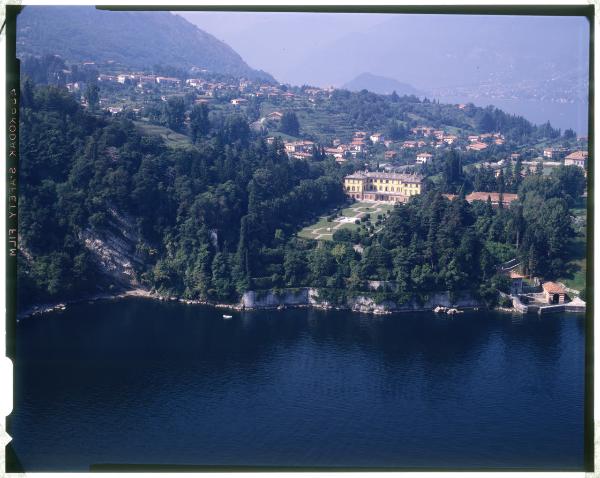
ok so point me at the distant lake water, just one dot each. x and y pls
(561, 115)
(138, 381)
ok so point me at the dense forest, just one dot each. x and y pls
(220, 217)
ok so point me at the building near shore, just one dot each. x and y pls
(554, 293)
(386, 187)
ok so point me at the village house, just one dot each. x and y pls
(390, 155)
(145, 80)
(554, 293)
(388, 187)
(553, 152)
(122, 78)
(357, 146)
(477, 146)
(516, 282)
(239, 101)
(295, 147)
(577, 158)
(507, 198)
(110, 78)
(168, 81)
(409, 144)
(339, 153)
(275, 116)
(376, 138)
(422, 131)
(300, 155)
(71, 87)
(423, 158)
(449, 139)
(195, 82)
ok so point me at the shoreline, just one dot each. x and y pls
(40, 309)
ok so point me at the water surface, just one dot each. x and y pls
(137, 381)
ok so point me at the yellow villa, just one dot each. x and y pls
(388, 187)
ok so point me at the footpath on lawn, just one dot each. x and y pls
(323, 229)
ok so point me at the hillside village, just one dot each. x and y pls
(415, 149)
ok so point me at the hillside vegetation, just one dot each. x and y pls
(135, 39)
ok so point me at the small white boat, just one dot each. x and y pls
(227, 316)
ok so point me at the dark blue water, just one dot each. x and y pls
(136, 381)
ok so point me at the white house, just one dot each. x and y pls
(577, 158)
(423, 158)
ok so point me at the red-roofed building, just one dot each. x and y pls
(507, 198)
(576, 158)
(554, 293)
(477, 146)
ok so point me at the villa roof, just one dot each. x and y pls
(580, 155)
(553, 288)
(495, 197)
(407, 178)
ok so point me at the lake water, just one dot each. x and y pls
(561, 115)
(138, 381)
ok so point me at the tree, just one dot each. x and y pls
(199, 122)
(571, 181)
(486, 123)
(173, 113)
(92, 96)
(221, 277)
(295, 267)
(290, 124)
(539, 168)
(453, 173)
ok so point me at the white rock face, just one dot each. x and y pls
(310, 297)
(114, 249)
(254, 300)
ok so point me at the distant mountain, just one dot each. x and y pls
(381, 85)
(133, 39)
(429, 51)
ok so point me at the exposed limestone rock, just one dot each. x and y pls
(114, 249)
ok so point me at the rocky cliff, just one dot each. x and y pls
(114, 248)
(310, 297)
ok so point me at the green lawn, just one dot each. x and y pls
(574, 277)
(323, 230)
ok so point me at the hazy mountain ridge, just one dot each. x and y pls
(428, 51)
(133, 39)
(381, 85)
